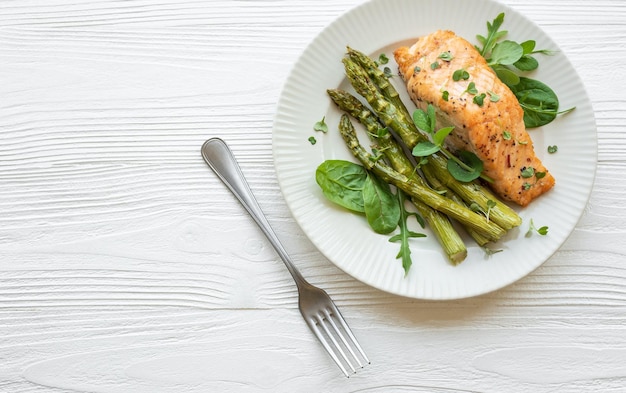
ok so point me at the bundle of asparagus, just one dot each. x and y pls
(436, 194)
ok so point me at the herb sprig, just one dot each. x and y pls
(465, 166)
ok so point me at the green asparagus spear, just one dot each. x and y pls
(473, 192)
(379, 78)
(438, 186)
(412, 188)
(441, 226)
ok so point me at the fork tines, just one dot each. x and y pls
(324, 325)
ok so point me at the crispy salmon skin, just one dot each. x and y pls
(493, 130)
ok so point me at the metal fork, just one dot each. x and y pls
(317, 308)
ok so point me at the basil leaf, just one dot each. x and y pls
(474, 164)
(539, 102)
(342, 183)
(381, 206)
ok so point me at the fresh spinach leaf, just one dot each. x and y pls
(539, 102)
(381, 206)
(342, 182)
(507, 76)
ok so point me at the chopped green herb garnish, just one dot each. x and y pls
(416, 69)
(506, 135)
(383, 59)
(435, 65)
(532, 228)
(445, 95)
(553, 149)
(446, 56)
(489, 251)
(460, 74)
(388, 72)
(528, 172)
(471, 88)
(540, 175)
(480, 99)
(312, 140)
(321, 125)
(493, 97)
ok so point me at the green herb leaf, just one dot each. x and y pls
(321, 125)
(432, 116)
(506, 53)
(553, 149)
(528, 172)
(471, 169)
(383, 59)
(446, 56)
(526, 63)
(440, 136)
(435, 65)
(445, 95)
(493, 35)
(312, 140)
(532, 229)
(424, 149)
(479, 99)
(528, 46)
(506, 135)
(342, 183)
(471, 88)
(493, 97)
(387, 71)
(405, 233)
(380, 205)
(422, 121)
(460, 74)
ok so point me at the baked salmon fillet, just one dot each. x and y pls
(494, 130)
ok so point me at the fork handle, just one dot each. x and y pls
(221, 160)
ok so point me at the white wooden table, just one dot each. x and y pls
(126, 266)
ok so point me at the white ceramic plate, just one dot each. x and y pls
(379, 26)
